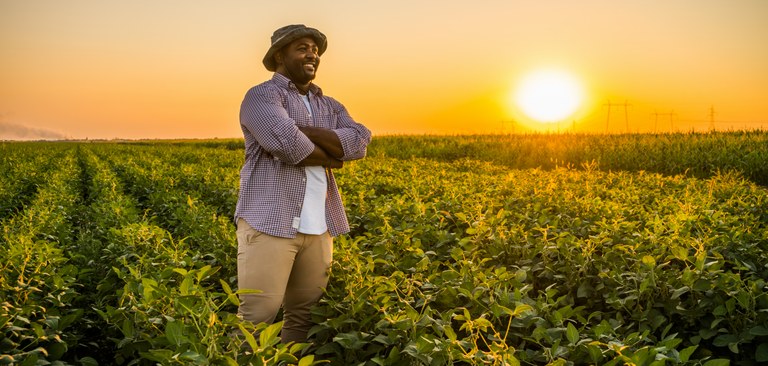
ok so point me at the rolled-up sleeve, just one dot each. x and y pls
(354, 136)
(263, 115)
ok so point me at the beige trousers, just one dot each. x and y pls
(289, 272)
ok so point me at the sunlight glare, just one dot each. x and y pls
(549, 95)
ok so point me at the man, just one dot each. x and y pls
(289, 206)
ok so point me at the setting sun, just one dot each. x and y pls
(109, 69)
(548, 95)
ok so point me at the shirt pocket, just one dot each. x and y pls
(329, 121)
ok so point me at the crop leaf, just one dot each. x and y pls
(349, 340)
(718, 362)
(88, 361)
(449, 333)
(197, 358)
(572, 333)
(680, 291)
(686, 353)
(249, 338)
(268, 336)
(649, 261)
(174, 332)
(306, 360)
(761, 354)
(725, 339)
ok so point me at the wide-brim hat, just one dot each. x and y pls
(288, 34)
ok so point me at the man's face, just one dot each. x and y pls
(299, 61)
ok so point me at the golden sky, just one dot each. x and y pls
(179, 69)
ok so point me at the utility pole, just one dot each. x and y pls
(671, 115)
(608, 116)
(671, 120)
(626, 116)
(711, 118)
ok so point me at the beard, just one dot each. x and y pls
(300, 73)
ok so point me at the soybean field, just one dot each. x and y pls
(464, 250)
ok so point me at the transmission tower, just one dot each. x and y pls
(711, 118)
(671, 115)
(608, 116)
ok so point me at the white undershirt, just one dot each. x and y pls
(312, 220)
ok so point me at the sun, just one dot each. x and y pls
(548, 95)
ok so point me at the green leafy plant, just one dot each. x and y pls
(478, 250)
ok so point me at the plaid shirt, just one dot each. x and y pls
(271, 185)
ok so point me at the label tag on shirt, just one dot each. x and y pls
(296, 222)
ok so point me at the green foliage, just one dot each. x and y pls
(22, 171)
(608, 263)
(38, 285)
(696, 154)
(126, 254)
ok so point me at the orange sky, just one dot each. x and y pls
(179, 69)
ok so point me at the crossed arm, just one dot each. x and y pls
(328, 150)
(263, 114)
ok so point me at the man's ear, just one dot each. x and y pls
(278, 58)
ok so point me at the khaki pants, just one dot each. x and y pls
(289, 272)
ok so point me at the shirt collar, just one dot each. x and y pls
(282, 81)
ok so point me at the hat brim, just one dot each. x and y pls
(320, 40)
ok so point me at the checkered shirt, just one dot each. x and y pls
(271, 185)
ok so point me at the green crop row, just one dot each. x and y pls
(22, 169)
(38, 287)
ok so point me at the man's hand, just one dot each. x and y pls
(319, 157)
(326, 139)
